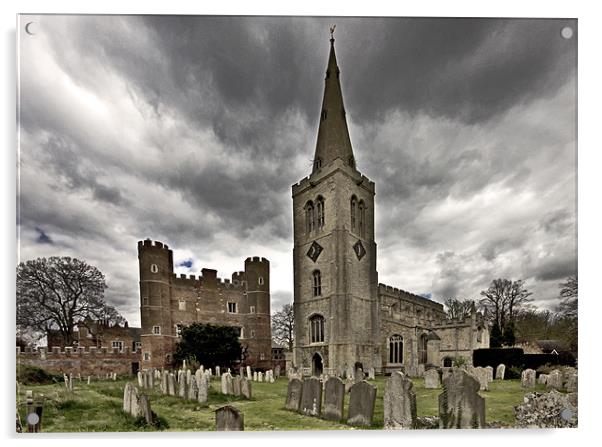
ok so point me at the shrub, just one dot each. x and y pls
(514, 372)
(32, 375)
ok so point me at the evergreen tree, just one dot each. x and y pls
(209, 345)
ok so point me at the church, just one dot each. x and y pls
(344, 318)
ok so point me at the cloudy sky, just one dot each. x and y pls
(191, 131)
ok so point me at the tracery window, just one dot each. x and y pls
(317, 328)
(320, 213)
(317, 283)
(361, 209)
(422, 348)
(353, 212)
(309, 216)
(396, 349)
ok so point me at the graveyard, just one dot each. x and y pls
(98, 406)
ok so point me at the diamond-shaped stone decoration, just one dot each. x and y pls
(314, 251)
(359, 250)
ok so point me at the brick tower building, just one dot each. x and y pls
(168, 302)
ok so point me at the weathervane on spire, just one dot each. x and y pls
(332, 31)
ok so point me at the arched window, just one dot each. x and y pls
(317, 283)
(353, 212)
(317, 163)
(479, 334)
(422, 348)
(361, 210)
(395, 349)
(320, 213)
(309, 216)
(316, 324)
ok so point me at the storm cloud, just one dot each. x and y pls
(191, 129)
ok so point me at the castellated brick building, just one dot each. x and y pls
(168, 302)
(343, 317)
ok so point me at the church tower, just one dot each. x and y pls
(335, 278)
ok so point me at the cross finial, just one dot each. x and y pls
(332, 31)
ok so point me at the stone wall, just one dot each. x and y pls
(90, 362)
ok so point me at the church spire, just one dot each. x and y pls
(333, 135)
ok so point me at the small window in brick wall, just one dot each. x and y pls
(260, 280)
(232, 308)
(262, 356)
(147, 356)
(252, 309)
(157, 330)
(182, 305)
(117, 344)
(154, 268)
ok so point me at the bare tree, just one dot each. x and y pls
(58, 292)
(457, 309)
(569, 291)
(503, 298)
(283, 326)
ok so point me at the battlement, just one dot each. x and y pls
(257, 259)
(69, 351)
(383, 288)
(148, 243)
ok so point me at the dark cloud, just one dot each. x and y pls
(43, 238)
(191, 130)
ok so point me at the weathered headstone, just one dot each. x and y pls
(127, 398)
(527, 378)
(245, 388)
(203, 389)
(136, 404)
(182, 384)
(361, 404)
(236, 385)
(254, 376)
(193, 389)
(260, 376)
(293, 394)
(218, 372)
(311, 398)
(334, 399)
(482, 376)
(400, 402)
(500, 371)
(431, 379)
(171, 384)
(371, 373)
(277, 371)
(460, 405)
(249, 375)
(542, 379)
(489, 373)
(554, 380)
(228, 418)
(571, 383)
(88, 380)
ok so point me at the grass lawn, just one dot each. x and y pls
(97, 407)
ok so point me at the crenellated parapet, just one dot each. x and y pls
(68, 351)
(384, 289)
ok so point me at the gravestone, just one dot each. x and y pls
(203, 389)
(311, 397)
(460, 405)
(164, 378)
(500, 371)
(293, 394)
(358, 375)
(127, 398)
(260, 376)
(245, 388)
(277, 371)
(217, 371)
(431, 379)
(361, 404)
(489, 373)
(198, 375)
(400, 402)
(482, 376)
(140, 379)
(171, 384)
(527, 378)
(554, 380)
(249, 375)
(228, 418)
(254, 376)
(571, 383)
(334, 399)
(542, 379)
(227, 384)
(236, 385)
(182, 384)
(88, 380)
(349, 372)
(135, 404)
(371, 373)
(193, 389)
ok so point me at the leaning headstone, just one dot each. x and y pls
(334, 399)
(361, 404)
(203, 389)
(311, 398)
(236, 385)
(431, 379)
(293, 394)
(145, 409)
(489, 373)
(400, 402)
(140, 379)
(554, 380)
(228, 418)
(245, 388)
(88, 380)
(460, 405)
(527, 378)
(500, 371)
